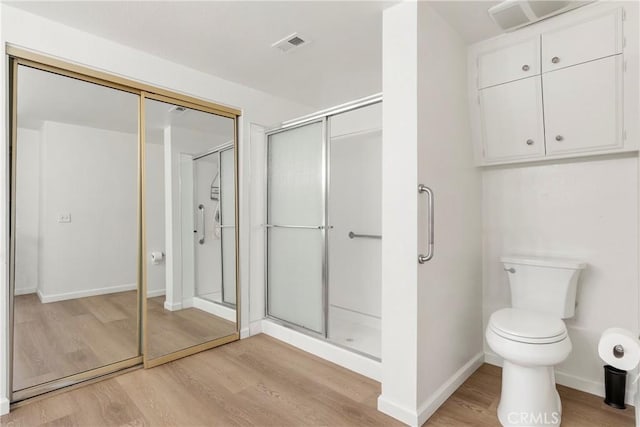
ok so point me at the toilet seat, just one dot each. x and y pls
(527, 326)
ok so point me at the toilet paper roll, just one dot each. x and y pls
(619, 348)
(157, 257)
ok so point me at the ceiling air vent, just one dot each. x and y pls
(291, 42)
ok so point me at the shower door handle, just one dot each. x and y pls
(201, 209)
(424, 258)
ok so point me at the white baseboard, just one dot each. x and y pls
(4, 406)
(396, 411)
(25, 291)
(46, 298)
(588, 386)
(429, 407)
(213, 308)
(244, 333)
(418, 417)
(340, 356)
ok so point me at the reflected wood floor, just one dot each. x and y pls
(57, 339)
(261, 381)
(61, 338)
(171, 331)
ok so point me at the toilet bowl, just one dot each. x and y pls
(530, 343)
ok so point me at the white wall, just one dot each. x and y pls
(155, 216)
(449, 286)
(399, 212)
(582, 209)
(431, 331)
(27, 211)
(42, 35)
(90, 174)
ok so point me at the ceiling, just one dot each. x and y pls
(232, 39)
(469, 18)
(44, 96)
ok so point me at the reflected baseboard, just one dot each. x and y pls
(4, 406)
(172, 306)
(46, 298)
(214, 308)
(25, 291)
(152, 293)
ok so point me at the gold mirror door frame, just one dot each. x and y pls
(18, 56)
(151, 357)
(62, 372)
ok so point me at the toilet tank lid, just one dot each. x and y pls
(544, 262)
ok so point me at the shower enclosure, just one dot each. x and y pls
(213, 207)
(323, 226)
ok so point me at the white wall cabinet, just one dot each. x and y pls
(512, 120)
(594, 38)
(583, 107)
(514, 62)
(577, 95)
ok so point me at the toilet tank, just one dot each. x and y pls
(543, 284)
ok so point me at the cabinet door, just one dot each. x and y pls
(509, 63)
(583, 107)
(593, 39)
(512, 121)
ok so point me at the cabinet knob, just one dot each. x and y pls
(525, 67)
(529, 141)
(559, 137)
(555, 59)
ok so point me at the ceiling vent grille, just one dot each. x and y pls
(291, 42)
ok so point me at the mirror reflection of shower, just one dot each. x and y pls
(213, 202)
(190, 197)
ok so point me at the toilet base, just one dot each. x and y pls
(529, 396)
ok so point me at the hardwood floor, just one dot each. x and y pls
(261, 381)
(475, 404)
(62, 338)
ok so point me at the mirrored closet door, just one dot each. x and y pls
(74, 229)
(190, 230)
(123, 214)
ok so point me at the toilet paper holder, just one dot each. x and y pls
(618, 351)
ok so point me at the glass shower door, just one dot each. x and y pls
(295, 227)
(227, 221)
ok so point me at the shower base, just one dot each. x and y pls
(354, 330)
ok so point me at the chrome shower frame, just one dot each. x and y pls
(323, 117)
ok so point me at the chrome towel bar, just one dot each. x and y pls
(353, 235)
(312, 227)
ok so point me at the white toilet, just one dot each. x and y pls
(531, 337)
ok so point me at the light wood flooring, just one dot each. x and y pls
(171, 331)
(263, 382)
(61, 338)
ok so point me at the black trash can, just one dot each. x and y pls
(615, 383)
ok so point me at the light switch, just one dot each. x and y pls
(65, 217)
